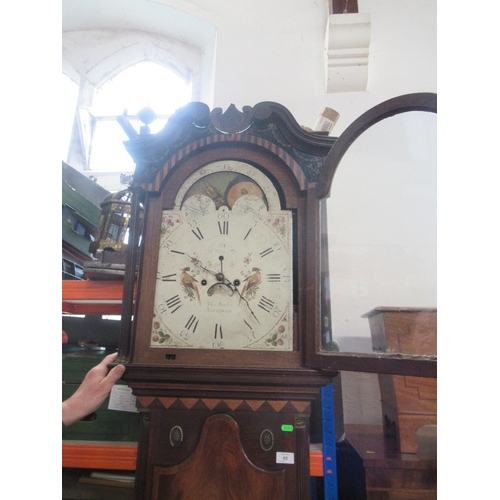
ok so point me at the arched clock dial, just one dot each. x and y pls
(224, 278)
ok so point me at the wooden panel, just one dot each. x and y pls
(344, 6)
(219, 454)
(404, 330)
(390, 474)
(408, 427)
(399, 479)
(425, 387)
(376, 494)
(409, 394)
(407, 402)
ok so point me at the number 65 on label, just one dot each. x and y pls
(284, 458)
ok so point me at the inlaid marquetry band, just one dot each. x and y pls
(249, 405)
(190, 148)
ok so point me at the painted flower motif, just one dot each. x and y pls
(277, 338)
(279, 225)
(157, 334)
(167, 224)
(274, 340)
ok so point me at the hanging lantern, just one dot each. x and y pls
(111, 244)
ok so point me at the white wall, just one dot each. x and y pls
(275, 51)
(382, 249)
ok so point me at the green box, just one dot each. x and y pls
(103, 424)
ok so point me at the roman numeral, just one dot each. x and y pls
(223, 227)
(169, 277)
(266, 304)
(218, 331)
(192, 323)
(174, 302)
(248, 232)
(197, 233)
(250, 334)
(267, 251)
(273, 278)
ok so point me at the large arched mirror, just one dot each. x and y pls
(378, 249)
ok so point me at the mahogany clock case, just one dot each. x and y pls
(296, 195)
(212, 418)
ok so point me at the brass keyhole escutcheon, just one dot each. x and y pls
(176, 436)
(266, 440)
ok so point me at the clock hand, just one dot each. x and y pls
(199, 264)
(235, 288)
(220, 277)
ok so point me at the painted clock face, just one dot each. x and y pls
(224, 278)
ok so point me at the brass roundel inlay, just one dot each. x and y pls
(266, 440)
(176, 436)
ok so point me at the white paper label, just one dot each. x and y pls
(285, 458)
(122, 399)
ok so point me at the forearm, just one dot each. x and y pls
(70, 412)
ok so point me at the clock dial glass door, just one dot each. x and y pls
(224, 278)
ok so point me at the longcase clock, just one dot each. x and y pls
(228, 299)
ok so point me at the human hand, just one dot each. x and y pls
(92, 392)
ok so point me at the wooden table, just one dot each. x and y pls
(371, 467)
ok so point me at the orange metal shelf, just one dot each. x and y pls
(119, 456)
(92, 297)
(92, 455)
(316, 463)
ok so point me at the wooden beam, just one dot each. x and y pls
(344, 6)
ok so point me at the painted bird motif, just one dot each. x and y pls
(189, 282)
(252, 281)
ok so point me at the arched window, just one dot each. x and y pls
(144, 84)
(69, 97)
(160, 57)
